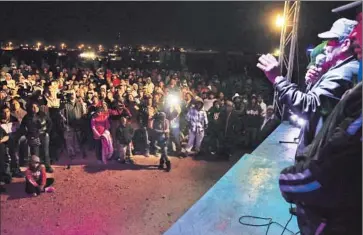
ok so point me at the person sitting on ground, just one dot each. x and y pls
(124, 135)
(36, 180)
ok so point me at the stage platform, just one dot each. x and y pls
(250, 187)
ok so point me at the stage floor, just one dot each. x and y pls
(250, 187)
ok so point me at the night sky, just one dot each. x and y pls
(243, 26)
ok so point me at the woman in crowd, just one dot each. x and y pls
(99, 125)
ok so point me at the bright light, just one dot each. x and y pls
(63, 46)
(276, 52)
(173, 100)
(39, 44)
(88, 55)
(301, 122)
(294, 117)
(280, 21)
(10, 43)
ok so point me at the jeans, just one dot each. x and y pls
(125, 151)
(74, 142)
(197, 137)
(162, 142)
(43, 150)
(23, 151)
(13, 152)
(175, 138)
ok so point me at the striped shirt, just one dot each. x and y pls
(197, 120)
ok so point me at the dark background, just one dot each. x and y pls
(242, 26)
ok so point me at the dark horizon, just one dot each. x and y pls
(242, 26)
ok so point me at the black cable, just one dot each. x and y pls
(268, 224)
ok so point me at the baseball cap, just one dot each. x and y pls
(340, 30)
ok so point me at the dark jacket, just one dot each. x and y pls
(328, 180)
(231, 129)
(34, 125)
(268, 128)
(253, 116)
(316, 104)
(124, 134)
(74, 112)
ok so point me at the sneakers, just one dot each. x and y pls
(49, 190)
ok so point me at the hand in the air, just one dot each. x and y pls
(270, 66)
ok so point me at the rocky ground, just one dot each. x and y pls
(112, 199)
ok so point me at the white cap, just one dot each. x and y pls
(340, 29)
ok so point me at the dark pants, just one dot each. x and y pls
(5, 175)
(13, 145)
(162, 143)
(42, 150)
(251, 137)
(310, 223)
(30, 189)
(23, 151)
(98, 149)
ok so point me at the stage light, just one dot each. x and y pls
(63, 46)
(301, 122)
(172, 100)
(10, 43)
(276, 52)
(280, 21)
(294, 117)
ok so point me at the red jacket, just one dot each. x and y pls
(99, 124)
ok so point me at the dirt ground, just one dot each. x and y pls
(112, 199)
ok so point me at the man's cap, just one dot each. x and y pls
(340, 30)
(270, 107)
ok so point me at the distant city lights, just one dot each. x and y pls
(88, 55)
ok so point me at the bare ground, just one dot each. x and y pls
(112, 199)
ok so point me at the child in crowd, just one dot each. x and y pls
(36, 180)
(124, 135)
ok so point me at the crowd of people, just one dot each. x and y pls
(50, 112)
